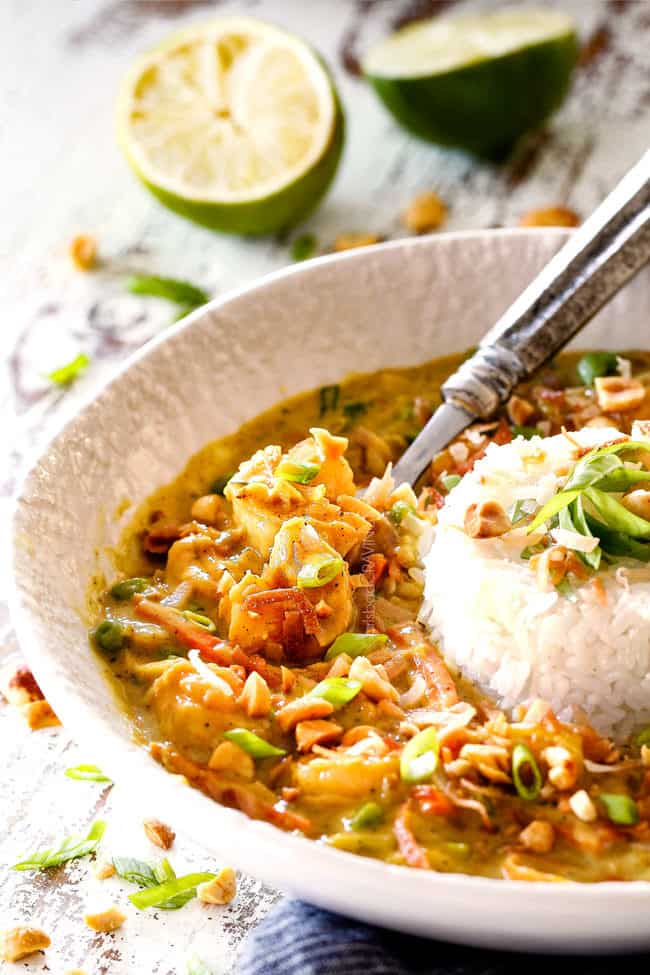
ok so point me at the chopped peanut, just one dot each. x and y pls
(550, 217)
(601, 421)
(103, 869)
(426, 212)
(221, 890)
(519, 410)
(341, 666)
(486, 520)
(316, 732)
(539, 836)
(109, 919)
(39, 715)
(638, 502)
(582, 806)
(256, 696)
(208, 509)
(373, 682)
(83, 251)
(21, 941)
(288, 679)
(563, 769)
(618, 395)
(346, 242)
(160, 834)
(19, 686)
(303, 709)
(228, 757)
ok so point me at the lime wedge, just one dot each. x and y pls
(235, 124)
(477, 82)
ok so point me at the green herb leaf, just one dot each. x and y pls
(70, 849)
(643, 737)
(530, 550)
(617, 517)
(319, 570)
(339, 691)
(288, 470)
(551, 508)
(180, 292)
(596, 364)
(127, 588)
(354, 410)
(135, 871)
(303, 247)
(356, 644)
(449, 481)
(525, 432)
(252, 744)
(618, 545)
(592, 469)
(87, 773)
(419, 758)
(622, 479)
(167, 893)
(572, 519)
(328, 398)
(64, 375)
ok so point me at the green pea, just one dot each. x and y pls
(128, 587)
(596, 364)
(109, 636)
(399, 511)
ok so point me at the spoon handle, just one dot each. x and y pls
(597, 260)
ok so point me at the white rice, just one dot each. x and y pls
(485, 608)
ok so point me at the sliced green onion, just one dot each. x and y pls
(200, 620)
(525, 432)
(526, 775)
(87, 773)
(164, 894)
(180, 292)
(419, 758)
(643, 737)
(617, 544)
(329, 398)
(288, 470)
(368, 816)
(64, 375)
(551, 508)
(318, 570)
(531, 550)
(620, 809)
(356, 644)
(219, 485)
(592, 469)
(128, 588)
(622, 479)
(339, 691)
(399, 511)
(252, 744)
(354, 410)
(70, 849)
(596, 364)
(303, 247)
(573, 519)
(109, 636)
(458, 848)
(449, 481)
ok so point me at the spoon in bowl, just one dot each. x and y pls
(597, 260)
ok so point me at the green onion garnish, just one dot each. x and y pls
(356, 644)
(109, 636)
(64, 375)
(596, 364)
(530, 550)
(166, 895)
(458, 848)
(180, 292)
(252, 744)
(135, 871)
(368, 816)
(318, 570)
(551, 508)
(69, 849)
(399, 511)
(303, 247)
(288, 470)
(200, 620)
(449, 481)
(354, 410)
(152, 876)
(419, 758)
(219, 485)
(526, 775)
(525, 432)
(328, 398)
(87, 773)
(339, 691)
(643, 737)
(128, 588)
(620, 809)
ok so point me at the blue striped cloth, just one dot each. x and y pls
(296, 939)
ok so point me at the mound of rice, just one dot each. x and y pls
(491, 619)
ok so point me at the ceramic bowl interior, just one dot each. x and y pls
(397, 304)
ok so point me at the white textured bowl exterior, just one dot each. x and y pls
(397, 304)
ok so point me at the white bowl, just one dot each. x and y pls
(394, 305)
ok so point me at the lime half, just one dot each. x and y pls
(234, 124)
(477, 82)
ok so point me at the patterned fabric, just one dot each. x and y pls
(297, 939)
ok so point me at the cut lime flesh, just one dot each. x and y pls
(476, 82)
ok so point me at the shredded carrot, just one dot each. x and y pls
(432, 801)
(439, 681)
(413, 853)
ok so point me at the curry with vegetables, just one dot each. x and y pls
(263, 636)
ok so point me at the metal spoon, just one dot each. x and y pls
(597, 260)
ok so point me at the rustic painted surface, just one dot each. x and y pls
(63, 175)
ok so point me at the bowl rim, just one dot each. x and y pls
(131, 764)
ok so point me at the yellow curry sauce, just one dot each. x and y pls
(263, 634)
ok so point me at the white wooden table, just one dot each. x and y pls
(60, 63)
